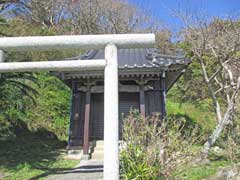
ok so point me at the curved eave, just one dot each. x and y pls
(125, 72)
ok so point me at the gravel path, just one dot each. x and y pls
(76, 176)
(86, 170)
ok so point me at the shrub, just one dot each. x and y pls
(52, 108)
(154, 148)
(229, 143)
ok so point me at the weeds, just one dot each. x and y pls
(154, 148)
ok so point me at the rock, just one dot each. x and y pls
(2, 175)
(227, 173)
(217, 150)
(199, 161)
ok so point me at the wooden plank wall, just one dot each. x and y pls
(153, 101)
(127, 102)
(97, 117)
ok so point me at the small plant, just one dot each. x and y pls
(230, 143)
(154, 148)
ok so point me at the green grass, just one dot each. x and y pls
(30, 157)
(200, 171)
(203, 118)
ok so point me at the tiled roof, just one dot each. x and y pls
(135, 63)
(137, 58)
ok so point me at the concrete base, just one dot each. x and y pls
(90, 162)
(98, 151)
(74, 154)
(85, 157)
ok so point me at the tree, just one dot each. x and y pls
(18, 81)
(48, 13)
(84, 16)
(14, 87)
(216, 47)
(4, 4)
(107, 16)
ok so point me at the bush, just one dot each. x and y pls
(52, 108)
(154, 148)
(50, 111)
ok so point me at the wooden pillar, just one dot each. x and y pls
(86, 123)
(163, 95)
(71, 116)
(142, 100)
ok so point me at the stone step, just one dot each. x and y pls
(98, 151)
(99, 143)
(74, 154)
(98, 148)
(90, 162)
(98, 155)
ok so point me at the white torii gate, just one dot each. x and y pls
(109, 65)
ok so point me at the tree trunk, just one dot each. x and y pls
(216, 133)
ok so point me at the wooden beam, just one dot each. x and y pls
(71, 117)
(131, 75)
(163, 95)
(86, 124)
(122, 88)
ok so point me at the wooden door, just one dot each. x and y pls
(127, 101)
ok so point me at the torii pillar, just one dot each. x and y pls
(111, 116)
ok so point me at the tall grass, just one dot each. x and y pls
(203, 117)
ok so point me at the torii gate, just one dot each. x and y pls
(109, 65)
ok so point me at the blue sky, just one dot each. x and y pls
(163, 9)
